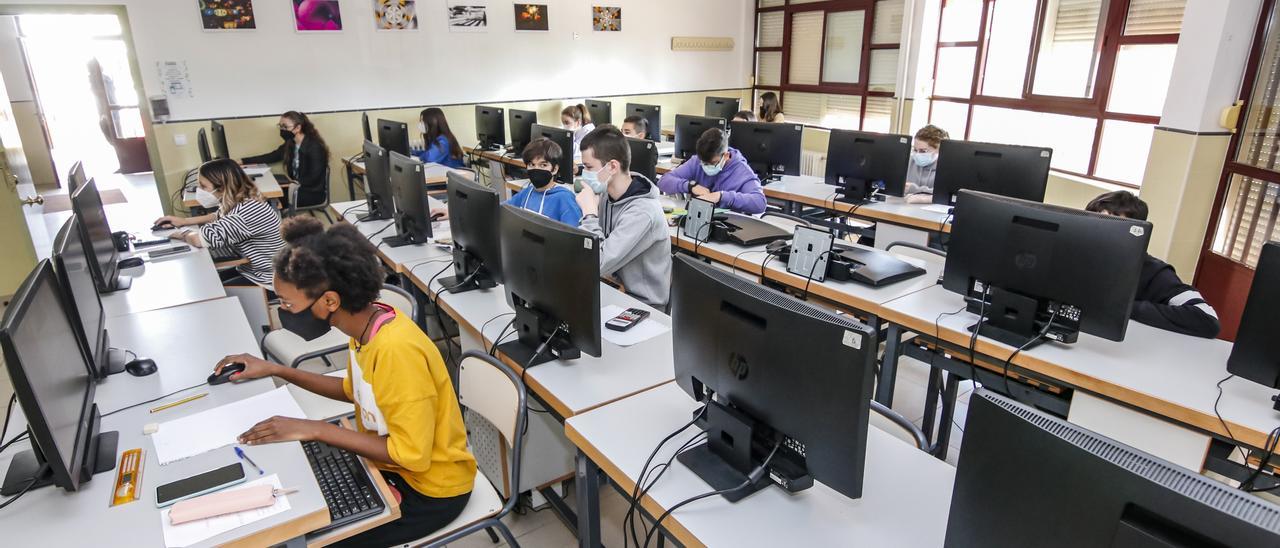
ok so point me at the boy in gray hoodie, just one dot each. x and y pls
(636, 247)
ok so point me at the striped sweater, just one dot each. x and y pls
(252, 229)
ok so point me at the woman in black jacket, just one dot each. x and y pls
(305, 157)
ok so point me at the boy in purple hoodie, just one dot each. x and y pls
(719, 174)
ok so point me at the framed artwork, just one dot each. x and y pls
(395, 14)
(468, 16)
(227, 14)
(532, 17)
(606, 19)
(317, 15)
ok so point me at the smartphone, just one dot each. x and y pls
(167, 252)
(627, 319)
(199, 484)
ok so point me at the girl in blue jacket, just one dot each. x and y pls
(542, 195)
(441, 146)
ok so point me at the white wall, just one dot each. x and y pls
(273, 68)
(1212, 52)
(11, 64)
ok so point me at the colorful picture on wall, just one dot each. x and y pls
(317, 15)
(605, 19)
(395, 14)
(468, 16)
(227, 14)
(531, 17)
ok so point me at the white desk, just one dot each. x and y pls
(905, 501)
(812, 191)
(165, 282)
(262, 177)
(377, 231)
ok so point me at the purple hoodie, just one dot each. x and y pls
(738, 185)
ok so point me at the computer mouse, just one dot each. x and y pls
(225, 376)
(162, 226)
(141, 367)
(436, 217)
(131, 262)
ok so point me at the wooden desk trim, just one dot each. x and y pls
(1161, 408)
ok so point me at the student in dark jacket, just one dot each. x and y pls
(304, 154)
(1163, 300)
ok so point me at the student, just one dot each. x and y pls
(577, 119)
(744, 116)
(636, 248)
(635, 127)
(769, 109)
(542, 195)
(923, 164)
(442, 146)
(721, 176)
(244, 222)
(407, 416)
(305, 157)
(1163, 300)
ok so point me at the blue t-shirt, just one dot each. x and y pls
(556, 203)
(438, 153)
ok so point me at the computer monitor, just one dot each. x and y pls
(477, 247)
(601, 111)
(202, 146)
(862, 163)
(51, 379)
(521, 123)
(75, 276)
(220, 149)
(551, 273)
(490, 132)
(1006, 170)
(564, 138)
(393, 136)
(722, 107)
(773, 370)
(364, 126)
(96, 232)
(644, 158)
(771, 149)
(1044, 272)
(1256, 354)
(689, 129)
(1027, 478)
(377, 179)
(412, 214)
(75, 178)
(652, 114)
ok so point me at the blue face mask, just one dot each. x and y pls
(713, 169)
(924, 159)
(592, 179)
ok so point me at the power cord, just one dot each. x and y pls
(1269, 447)
(1244, 456)
(657, 471)
(809, 279)
(635, 491)
(1033, 340)
(175, 392)
(529, 365)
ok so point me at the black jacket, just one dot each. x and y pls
(312, 162)
(1164, 301)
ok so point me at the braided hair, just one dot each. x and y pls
(337, 259)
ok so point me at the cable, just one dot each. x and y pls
(1268, 447)
(973, 339)
(24, 490)
(657, 471)
(349, 209)
(752, 478)
(529, 365)
(733, 266)
(380, 231)
(493, 349)
(24, 435)
(812, 269)
(1243, 455)
(8, 414)
(175, 392)
(635, 491)
(1005, 371)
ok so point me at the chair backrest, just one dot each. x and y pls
(399, 298)
(897, 426)
(490, 389)
(916, 251)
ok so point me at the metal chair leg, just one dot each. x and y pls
(493, 536)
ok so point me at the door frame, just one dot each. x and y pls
(126, 31)
(1223, 282)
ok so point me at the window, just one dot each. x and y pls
(1085, 77)
(834, 63)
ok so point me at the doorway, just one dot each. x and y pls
(87, 100)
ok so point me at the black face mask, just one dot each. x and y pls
(539, 177)
(304, 324)
(286, 134)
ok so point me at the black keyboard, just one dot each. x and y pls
(224, 254)
(348, 490)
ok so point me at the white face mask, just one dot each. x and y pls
(422, 128)
(207, 199)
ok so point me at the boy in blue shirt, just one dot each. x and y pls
(542, 195)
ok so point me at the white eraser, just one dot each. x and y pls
(151, 428)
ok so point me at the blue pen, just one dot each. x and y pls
(240, 453)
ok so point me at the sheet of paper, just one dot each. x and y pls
(937, 208)
(218, 427)
(643, 331)
(192, 532)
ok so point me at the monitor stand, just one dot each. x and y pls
(120, 283)
(377, 209)
(31, 465)
(113, 363)
(475, 275)
(721, 461)
(1010, 318)
(531, 326)
(858, 192)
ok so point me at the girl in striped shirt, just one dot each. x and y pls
(244, 222)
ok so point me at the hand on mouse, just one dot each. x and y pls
(278, 429)
(170, 220)
(439, 213)
(254, 368)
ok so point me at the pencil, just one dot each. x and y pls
(179, 402)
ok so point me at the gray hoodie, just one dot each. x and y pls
(636, 247)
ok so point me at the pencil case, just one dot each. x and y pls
(223, 503)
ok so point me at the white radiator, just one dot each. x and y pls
(813, 163)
